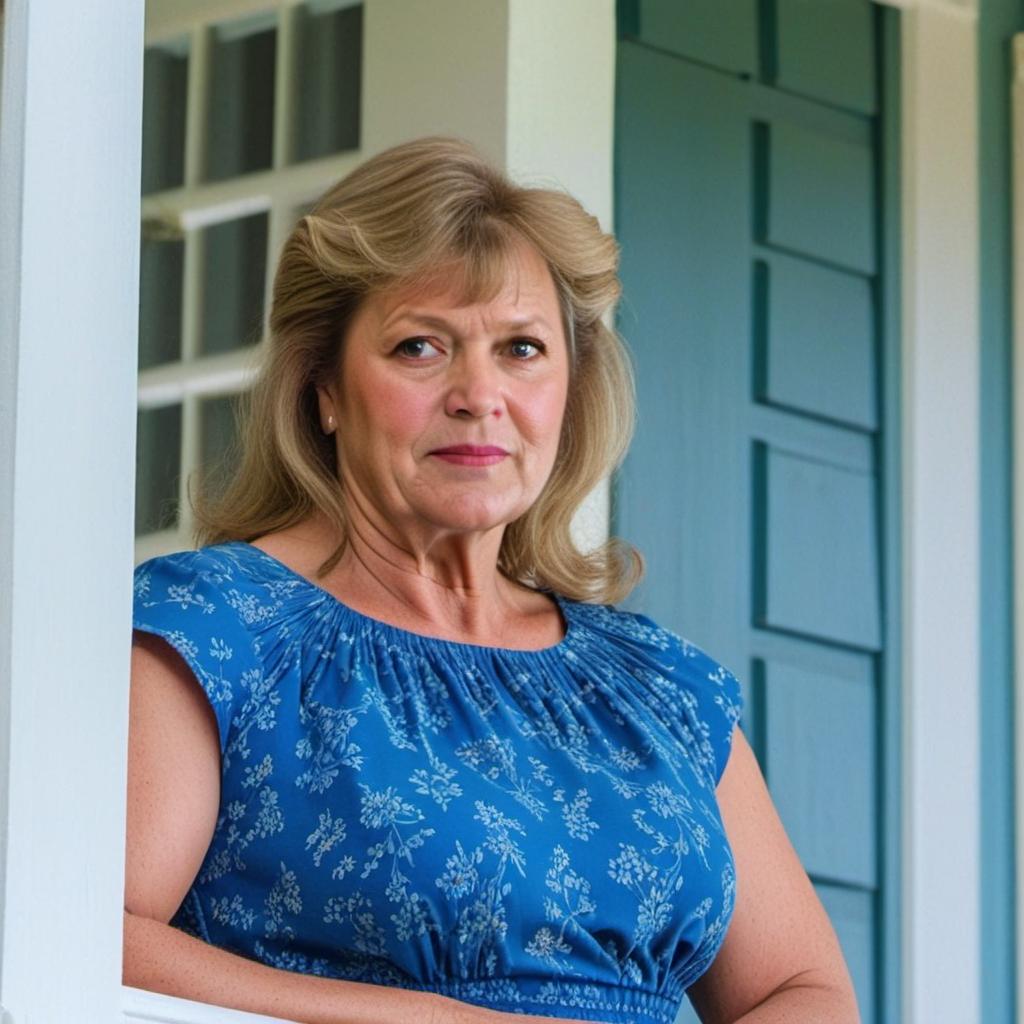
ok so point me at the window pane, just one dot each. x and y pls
(217, 433)
(157, 469)
(329, 55)
(240, 115)
(165, 88)
(162, 265)
(234, 268)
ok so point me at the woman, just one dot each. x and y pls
(394, 753)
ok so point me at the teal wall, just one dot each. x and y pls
(999, 20)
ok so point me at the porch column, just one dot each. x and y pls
(69, 249)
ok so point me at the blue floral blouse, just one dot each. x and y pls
(534, 831)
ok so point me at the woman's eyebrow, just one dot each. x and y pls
(441, 323)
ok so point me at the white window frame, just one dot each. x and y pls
(277, 191)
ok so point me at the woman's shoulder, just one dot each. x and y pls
(201, 577)
(621, 626)
(681, 674)
(198, 602)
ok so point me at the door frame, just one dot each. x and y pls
(939, 511)
(1017, 525)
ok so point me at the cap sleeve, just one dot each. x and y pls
(182, 598)
(710, 698)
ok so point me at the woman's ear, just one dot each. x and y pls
(328, 405)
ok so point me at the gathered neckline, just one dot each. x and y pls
(389, 628)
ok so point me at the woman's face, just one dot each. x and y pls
(449, 415)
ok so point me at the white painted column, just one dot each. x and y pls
(941, 521)
(69, 248)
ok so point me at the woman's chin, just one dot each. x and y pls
(472, 517)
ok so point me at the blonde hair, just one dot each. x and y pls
(396, 219)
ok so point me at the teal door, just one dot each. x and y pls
(747, 207)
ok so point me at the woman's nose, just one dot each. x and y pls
(474, 387)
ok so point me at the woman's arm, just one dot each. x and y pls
(173, 802)
(161, 958)
(780, 960)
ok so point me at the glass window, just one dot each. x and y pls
(234, 276)
(240, 103)
(161, 276)
(329, 50)
(218, 433)
(157, 469)
(164, 102)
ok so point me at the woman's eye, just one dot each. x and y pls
(416, 348)
(523, 349)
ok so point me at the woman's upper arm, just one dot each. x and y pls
(779, 929)
(173, 779)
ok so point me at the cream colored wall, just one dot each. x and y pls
(560, 123)
(436, 67)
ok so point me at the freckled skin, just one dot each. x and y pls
(420, 372)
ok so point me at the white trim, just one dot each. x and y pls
(204, 205)
(1017, 414)
(940, 519)
(167, 20)
(219, 374)
(142, 1007)
(195, 98)
(952, 8)
(284, 96)
(69, 267)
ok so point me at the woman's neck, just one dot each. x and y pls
(447, 586)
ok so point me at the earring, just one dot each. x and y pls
(330, 424)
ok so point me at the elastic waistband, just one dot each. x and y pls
(611, 1004)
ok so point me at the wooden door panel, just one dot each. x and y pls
(724, 35)
(747, 222)
(815, 351)
(826, 50)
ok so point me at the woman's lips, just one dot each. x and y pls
(471, 454)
